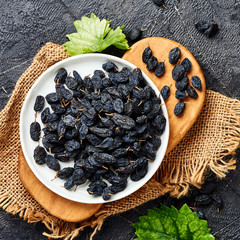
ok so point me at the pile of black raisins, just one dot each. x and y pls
(152, 62)
(179, 74)
(108, 126)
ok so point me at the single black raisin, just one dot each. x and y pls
(160, 3)
(186, 64)
(191, 92)
(39, 155)
(174, 55)
(160, 69)
(61, 76)
(152, 63)
(35, 129)
(196, 82)
(134, 34)
(208, 28)
(182, 84)
(147, 53)
(165, 92)
(203, 200)
(52, 163)
(178, 72)
(179, 108)
(39, 103)
(180, 94)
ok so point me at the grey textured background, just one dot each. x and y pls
(25, 26)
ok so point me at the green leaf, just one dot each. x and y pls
(170, 224)
(94, 35)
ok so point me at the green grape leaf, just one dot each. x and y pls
(94, 35)
(172, 224)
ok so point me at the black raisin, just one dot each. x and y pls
(72, 145)
(208, 28)
(174, 55)
(65, 173)
(69, 183)
(179, 108)
(39, 103)
(71, 83)
(52, 163)
(35, 129)
(160, 3)
(79, 176)
(123, 121)
(147, 53)
(107, 193)
(110, 67)
(199, 213)
(191, 92)
(39, 155)
(152, 63)
(45, 114)
(186, 64)
(178, 72)
(61, 76)
(165, 92)
(160, 69)
(180, 94)
(203, 200)
(182, 84)
(196, 82)
(217, 200)
(134, 34)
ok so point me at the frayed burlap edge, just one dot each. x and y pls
(175, 184)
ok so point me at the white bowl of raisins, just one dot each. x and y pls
(101, 128)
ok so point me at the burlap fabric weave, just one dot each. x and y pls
(215, 134)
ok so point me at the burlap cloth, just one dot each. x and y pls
(215, 134)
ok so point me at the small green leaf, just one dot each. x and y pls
(170, 224)
(94, 35)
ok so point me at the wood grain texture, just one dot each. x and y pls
(56, 205)
(179, 125)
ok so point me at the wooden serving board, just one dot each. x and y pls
(58, 206)
(73, 211)
(179, 125)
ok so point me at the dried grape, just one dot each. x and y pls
(180, 94)
(52, 163)
(65, 173)
(152, 63)
(208, 28)
(165, 92)
(147, 53)
(39, 155)
(160, 69)
(178, 72)
(61, 76)
(186, 64)
(35, 129)
(182, 84)
(191, 92)
(196, 82)
(160, 3)
(39, 103)
(179, 108)
(174, 55)
(134, 34)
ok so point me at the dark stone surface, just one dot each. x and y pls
(28, 25)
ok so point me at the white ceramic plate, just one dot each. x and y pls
(85, 65)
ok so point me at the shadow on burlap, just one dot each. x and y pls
(215, 134)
